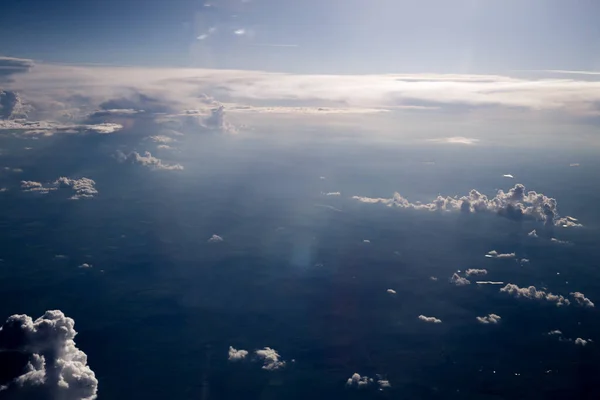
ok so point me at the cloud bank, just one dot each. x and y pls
(516, 204)
(147, 160)
(532, 293)
(56, 367)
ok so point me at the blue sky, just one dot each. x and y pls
(461, 36)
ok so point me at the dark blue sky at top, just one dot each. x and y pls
(352, 36)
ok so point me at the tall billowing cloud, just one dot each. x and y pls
(56, 368)
(515, 204)
(236, 355)
(271, 359)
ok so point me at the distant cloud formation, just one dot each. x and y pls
(85, 266)
(508, 176)
(84, 188)
(333, 194)
(236, 355)
(516, 204)
(532, 293)
(489, 283)
(581, 299)
(271, 359)
(533, 234)
(582, 342)
(459, 280)
(495, 254)
(476, 272)
(391, 291)
(56, 369)
(215, 239)
(147, 160)
(358, 381)
(32, 186)
(455, 140)
(432, 320)
(489, 319)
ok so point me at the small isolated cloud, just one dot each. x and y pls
(508, 176)
(433, 278)
(366, 241)
(476, 272)
(161, 139)
(489, 319)
(84, 188)
(147, 160)
(164, 147)
(495, 254)
(239, 32)
(358, 381)
(270, 357)
(391, 291)
(574, 165)
(459, 280)
(532, 293)
(85, 266)
(524, 261)
(57, 369)
(555, 332)
(432, 320)
(557, 241)
(489, 283)
(455, 140)
(202, 36)
(582, 342)
(384, 384)
(333, 194)
(516, 204)
(581, 300)
(236, 355)
(215, 239)
(533, 234)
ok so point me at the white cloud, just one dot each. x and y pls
(215, 239)
(581, 299)
(515, 204)
(56, 368)
(582, 342)
(533, 234)
(236, 355)
(366, 241)
(38, 187)
(391, 291)
(459, 280)
(333, 194)
(495, 254)
(489, 319)
(147, 160)
(358, 381)
(557, 241)
(161, 139)
(85, 265)
(532, 293)
(432, 320)
(508, 176)
(272, 359)
(489, 283)
(476, 272)
(555, 332)
(524, 261)
(202, 36)
(84, 188)
(455, 140)
(240, 32)
(384, 384)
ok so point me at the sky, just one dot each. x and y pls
(313, 36)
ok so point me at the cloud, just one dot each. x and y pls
(574, 165)
(10, 66)
(495, 254)
(508, 176)
(524, 261)
(555, 332)
(516, 204)
(38, 187)
(215, 239)
(455, 140)
(236, 355)
(161, 139)
(476, 272)
(581, 299)
(333, 194)
(85, 266)
(391, 291)
(358, 381)
(557, 241)
(489, 319)
(532, 293)
(56, 367)
(272, 359)
(84, 188)
(240, 32)
(147, 160)
(459, 280)
(533, 234)
(489, 283)
(432, 320)
(582, 342)
(384, 384)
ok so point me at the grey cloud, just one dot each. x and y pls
(476, 272)
(215, 239)
(432, 320)
(489, 319)
(582, 342)
(516, 204)
(555, 332)
(459, 280)
(147, 160)
(495, 254)
(236, 355)
(532, 293)
(10, 66)
(56, 367)
(358, 381)
(271, 359)
(581, 299)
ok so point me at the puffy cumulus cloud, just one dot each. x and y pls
(37, 187)
(489, 319)
(516, 204)
(85, 266)
(432, 320)
(236, 355)
(147, 160)
(459, 280)
(358, 381)
(84, 188)
(391, 291)
(582, 342)
(215, 239)
(581, 299)
(532, 293)
(271, 359)
(476, 272)
(495, 254)
(56, 367)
